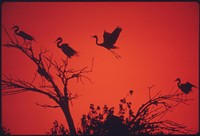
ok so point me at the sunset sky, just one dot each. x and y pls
(158, 43)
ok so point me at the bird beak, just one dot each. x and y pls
(92, 36)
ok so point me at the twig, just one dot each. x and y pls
(47, 106)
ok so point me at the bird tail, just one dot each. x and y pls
(194, 86)
(77, 54)
(115, 47)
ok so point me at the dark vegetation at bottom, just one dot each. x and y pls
(147, 120)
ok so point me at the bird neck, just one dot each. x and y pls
(97, 41)
(16, 30)
(179, 82)
(59, 42)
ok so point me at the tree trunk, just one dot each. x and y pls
(66, 111)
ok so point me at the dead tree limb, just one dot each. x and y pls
(45, 65)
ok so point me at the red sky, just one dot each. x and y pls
(158, 43)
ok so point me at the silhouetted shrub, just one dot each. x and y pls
(4, 132)
(58, 129)
(147, 120)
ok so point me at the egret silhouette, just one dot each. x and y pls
(185, 88)
(109, 39)
(22, 34)
(67, 50)
(44, 73)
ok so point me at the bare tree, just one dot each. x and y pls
(46, 69)
(148, 119)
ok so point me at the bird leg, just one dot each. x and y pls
(27, 42)
(185, 97)
(27, 46)
(24, 42)
(115, 54)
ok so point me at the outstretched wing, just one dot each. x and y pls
(106, 36)
(115, 34)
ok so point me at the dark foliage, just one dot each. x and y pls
(147, 120)
(58, 129)
(4, 132)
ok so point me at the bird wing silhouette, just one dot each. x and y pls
(68, 50)
(189, 84)
(115, 34)
(26, 36)
(106, 36)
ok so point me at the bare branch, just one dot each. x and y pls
(155, 109)
(150, 91)
(79, 74)
(45, 66)
(17, 91)
(13, 86)
(8, 35)
(47, 106)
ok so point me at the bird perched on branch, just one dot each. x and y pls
(67, 50)
(22, 34)
(44, 73)
(185, 88)
(109, 39)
